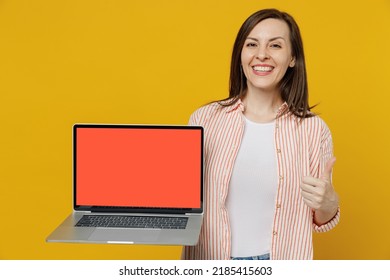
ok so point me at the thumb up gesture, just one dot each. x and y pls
(319, 195)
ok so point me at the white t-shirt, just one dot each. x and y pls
(252, 191)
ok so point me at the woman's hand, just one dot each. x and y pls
(319, 194)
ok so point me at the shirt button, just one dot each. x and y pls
(281, 177)
(279, 151)
(276, 126)
(274, 232)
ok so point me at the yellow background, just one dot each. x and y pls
(137, 61)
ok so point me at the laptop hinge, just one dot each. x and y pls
(191, 214)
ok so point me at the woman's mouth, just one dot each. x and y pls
(262, 70)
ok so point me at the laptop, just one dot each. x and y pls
(135, 184)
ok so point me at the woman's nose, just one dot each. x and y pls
(262, 53)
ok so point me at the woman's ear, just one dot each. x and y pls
(292, 62)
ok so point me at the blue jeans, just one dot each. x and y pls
(261, 257)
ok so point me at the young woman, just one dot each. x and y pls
(268, 158)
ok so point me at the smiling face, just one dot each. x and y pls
(266, 55)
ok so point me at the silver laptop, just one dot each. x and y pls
(135, 184)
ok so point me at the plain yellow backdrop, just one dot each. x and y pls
(150, 61)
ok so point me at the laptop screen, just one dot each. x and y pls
(138, 166)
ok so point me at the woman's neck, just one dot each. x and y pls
(261, 106)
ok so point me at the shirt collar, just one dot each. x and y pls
(239, 105)
(282, 109)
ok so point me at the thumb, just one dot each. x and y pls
(327, 172)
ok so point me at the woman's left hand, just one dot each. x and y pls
(319, 194)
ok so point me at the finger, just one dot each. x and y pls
(309, 201)
(312, 204)
(307, 188)
(327, 172)
(312, 181)
(306, 194)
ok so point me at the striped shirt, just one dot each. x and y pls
(302, 148)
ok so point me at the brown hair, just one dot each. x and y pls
(293, 86)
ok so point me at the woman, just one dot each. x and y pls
(268, 159)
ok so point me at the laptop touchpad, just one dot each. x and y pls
(125, 235)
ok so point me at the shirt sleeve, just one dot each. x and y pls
(329, 225)
(326, 152)
(194, 118)
(202, 114)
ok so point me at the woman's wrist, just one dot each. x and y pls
(323, 216)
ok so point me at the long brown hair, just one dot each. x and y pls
(293, 86)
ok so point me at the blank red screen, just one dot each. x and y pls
(138, 167)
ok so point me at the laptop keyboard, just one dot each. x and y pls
(119, 221)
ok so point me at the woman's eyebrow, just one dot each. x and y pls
(272, 39)
(276, 38)
(251, 38)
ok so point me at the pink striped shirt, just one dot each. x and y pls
(302, 149)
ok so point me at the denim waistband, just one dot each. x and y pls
(260, 257)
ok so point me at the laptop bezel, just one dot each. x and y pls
(146, 210)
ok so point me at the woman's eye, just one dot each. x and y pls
(276, 46)
(253, 45)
